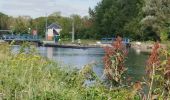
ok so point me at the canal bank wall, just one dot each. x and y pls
(138, 46)
(145, 47)
(71, 46)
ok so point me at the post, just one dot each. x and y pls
(46, 35)
(73, 31)
(29, 30)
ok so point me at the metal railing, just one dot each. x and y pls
(32, 38)
(111, 40)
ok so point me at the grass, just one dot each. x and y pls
(28, 76)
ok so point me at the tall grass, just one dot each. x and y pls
(28, 76)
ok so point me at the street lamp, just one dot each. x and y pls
(73, 31)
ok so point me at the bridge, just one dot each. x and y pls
(22, 38)
(126, 41)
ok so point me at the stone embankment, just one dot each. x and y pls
(144, 47)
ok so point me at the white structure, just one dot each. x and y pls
(53, 30)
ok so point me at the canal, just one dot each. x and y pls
(77, 58)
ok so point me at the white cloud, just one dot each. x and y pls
(36, 8)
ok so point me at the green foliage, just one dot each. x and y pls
(156, 17)
(113, 17)
(158, 72)
(4, 21)
(28, 76)
(136, 19)
(40, 24)
(22, 25)
(164, 35)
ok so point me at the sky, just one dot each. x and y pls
(37, 8)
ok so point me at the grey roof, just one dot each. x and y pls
(55, 26)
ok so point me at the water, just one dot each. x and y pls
(79, 57)
(76, 58)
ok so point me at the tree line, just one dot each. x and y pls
(23, 24)
(136, 19)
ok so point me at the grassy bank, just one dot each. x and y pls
(32, 77)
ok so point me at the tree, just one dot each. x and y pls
(156, 18)
(4, 21)
(22, 24)
(64, 22)
(112, 17)
(40, 24)
(56, 14)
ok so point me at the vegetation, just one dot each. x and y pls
(29, 76)
(117, 17)
(22, 24)
(136, 19)
(158, 72)
(114, 62)
(26, 75)
(156, 19)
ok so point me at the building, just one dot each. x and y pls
(53, 31)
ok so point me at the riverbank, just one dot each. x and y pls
(76, 46)
(146, 46)
(85, 44)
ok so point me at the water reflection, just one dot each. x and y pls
(138, 51)
(50, 53)
(76, 57)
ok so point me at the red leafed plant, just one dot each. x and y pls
(167, 79)
(153, 60)
(158, 72)
(114, 60)
(152, 64)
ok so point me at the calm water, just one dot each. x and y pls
(80, 57)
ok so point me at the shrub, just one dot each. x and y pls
(158, 72)
(114, 60)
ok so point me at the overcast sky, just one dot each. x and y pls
(36, 8)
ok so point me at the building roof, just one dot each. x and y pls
(54, 26)
(55, 32)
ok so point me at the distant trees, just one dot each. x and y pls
(137, 19)
(22, 24)
(81, 25)
(116, 17)
(25, 24)
(156, 21)
(4, 21)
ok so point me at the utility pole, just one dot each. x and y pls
(73, 31)
(46, 35)
(36, 26)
